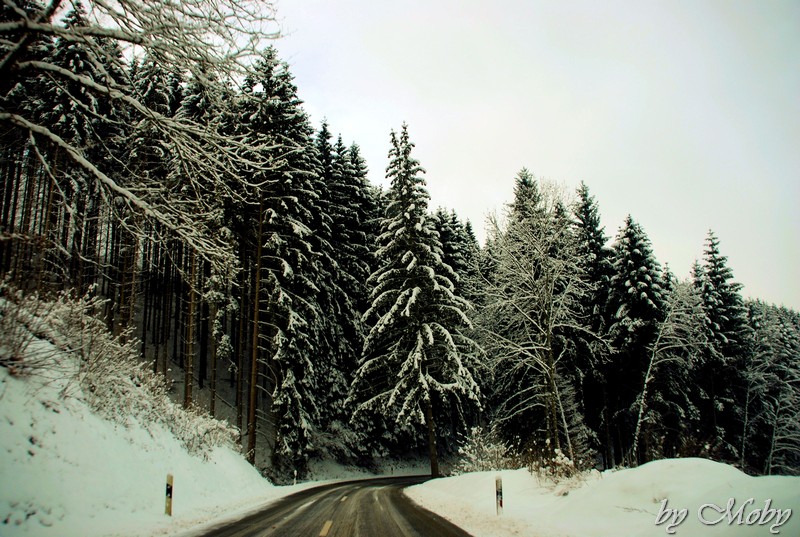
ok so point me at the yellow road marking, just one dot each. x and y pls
(343, 498)
(326, 528)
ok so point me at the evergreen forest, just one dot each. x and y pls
(177, 178)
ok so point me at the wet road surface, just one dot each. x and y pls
(365, 508)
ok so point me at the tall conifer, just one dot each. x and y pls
(414, 353)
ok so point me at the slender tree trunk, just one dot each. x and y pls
(13, 178)
(745, 426)
(166, 314)
(565, 424)
(46, 231)
(90, 240)
(642, 407)
(190, 337)
(177, 355)
(205, 320)
(241, 347)
(212, 313)
(432, 448)
(552, 396)
(251, 416)
(771, 453)
(147, 283)
(610, 462)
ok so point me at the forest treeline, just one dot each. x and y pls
(187, 187)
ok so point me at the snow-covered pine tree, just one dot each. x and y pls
(636, 306)
(340, 332)
(286, 314)
(592, 355)
(771, 414)
(415, 352)
(372, 209)
(719, 375)
(72, 111)
(460, 249)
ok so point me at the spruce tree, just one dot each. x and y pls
(771, 439)
(460, 249)
(719, 375)
(414, 354)
(592, 355)
(340, 333)
(636, 306)
(371, 210)
(286, 314)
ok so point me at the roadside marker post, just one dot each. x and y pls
(498, 492)
(168, 508)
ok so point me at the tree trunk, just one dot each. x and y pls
(642, 408)
(610, 463)
(212, 309)
(241, 348)
(190, 326)
(432, 449)
(205, 320)
(178, 284)
(251, 415)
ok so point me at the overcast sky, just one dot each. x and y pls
(685, 114)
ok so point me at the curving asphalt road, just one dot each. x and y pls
(366, 508)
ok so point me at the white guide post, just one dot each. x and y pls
(498, 492)
(168, 508)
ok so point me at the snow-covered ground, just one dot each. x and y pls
(623, 503)
(65, 472)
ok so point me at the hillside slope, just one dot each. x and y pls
(87, 436)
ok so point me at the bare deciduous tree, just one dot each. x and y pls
(679, 341)
(214, 40)
(531, 315)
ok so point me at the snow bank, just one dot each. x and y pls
(622, 503)
(64, 471)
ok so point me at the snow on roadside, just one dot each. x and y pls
(623, 503)
(65, 471)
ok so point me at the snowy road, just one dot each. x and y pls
(368, 508)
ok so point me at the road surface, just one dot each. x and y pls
(367, 508)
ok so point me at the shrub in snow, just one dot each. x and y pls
(20, 324)
(550, 464)
(483, 451)
(102, 369)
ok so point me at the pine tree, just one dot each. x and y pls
(340, 280)
(636, 306)
(719, 375)
(460, 249)
(771, 409)
(286, 314)
(371, 210)
(592, 356)
(414, 355)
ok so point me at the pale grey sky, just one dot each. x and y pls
(685, 114)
